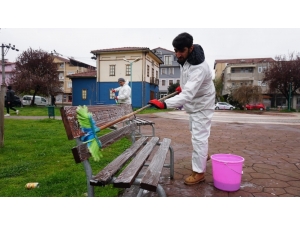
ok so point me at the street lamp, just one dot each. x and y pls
(137, 59)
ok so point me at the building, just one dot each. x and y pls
(169, 71)
(237, 72)
(8, 70)
(65, 67)
(86, 83)
(138, 65)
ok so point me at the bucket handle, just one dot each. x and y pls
(233, 169)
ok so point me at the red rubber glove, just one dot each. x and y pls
(113, 91)
(116, 98)
(157, 104)
(178, 89)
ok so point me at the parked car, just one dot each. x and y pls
(255, 106)
(224, 105)
(38, 100)
(17, 101)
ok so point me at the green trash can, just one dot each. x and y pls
(51, 111)
(268, 108)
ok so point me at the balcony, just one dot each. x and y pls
(154, 81)
(239, 76)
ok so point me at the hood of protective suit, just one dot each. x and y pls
(196, 57)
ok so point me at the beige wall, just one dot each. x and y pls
(139, 68)
(255, 78)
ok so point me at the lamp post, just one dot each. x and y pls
(137, 59)
(4, 50)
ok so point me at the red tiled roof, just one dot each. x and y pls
(120, 49)
(83, 75)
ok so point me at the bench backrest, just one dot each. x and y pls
(102, 114)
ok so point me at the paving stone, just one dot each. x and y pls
(270, 183)
(271, 151)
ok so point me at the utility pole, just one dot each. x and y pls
(4, 50)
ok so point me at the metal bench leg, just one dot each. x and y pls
(88, 172)
(171, 162)
(160, 191)
(153, 130)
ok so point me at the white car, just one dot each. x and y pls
(224, 105)
(38, 100)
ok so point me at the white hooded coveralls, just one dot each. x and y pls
(124, 95)
(198, 100)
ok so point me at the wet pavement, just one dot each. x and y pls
(269, 143)
(271, 149)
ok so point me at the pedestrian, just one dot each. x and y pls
(53, 100)
(124, 96)
(197, 96)
(9, 100)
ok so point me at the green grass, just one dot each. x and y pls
(34, 111)
(39, 151)
(43, 111)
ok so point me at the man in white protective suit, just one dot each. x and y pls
(197, 95)
(124, 96)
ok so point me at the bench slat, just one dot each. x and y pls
(126, 178)
(151, 178)
(104, 176)
(144, 122)
(81, 152)
(102, 114)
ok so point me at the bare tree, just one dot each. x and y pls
(35, 72)
(247, 94)
(283, 75)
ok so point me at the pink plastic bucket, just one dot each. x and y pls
(227, 171)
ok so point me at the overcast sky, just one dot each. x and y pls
(244, 34)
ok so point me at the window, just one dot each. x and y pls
(261, 69)
(171, 71)
(61, 76)
(112, 70)
(152, 74)
(156, 74)
(127, 70)
(260, 83)
(84, 94)
(168, 59)
(69, 84)
(170, 82)
(178, 81)
(247, 70)
(163, 82)
(233, 84)
(61, 65)
(148, 70)
(163, 71)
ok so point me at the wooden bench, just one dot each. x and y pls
(141, 164)
(142, 122)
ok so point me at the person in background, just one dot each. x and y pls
(53, 100)
(197, 97)
(9, 100)
(124, 96)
